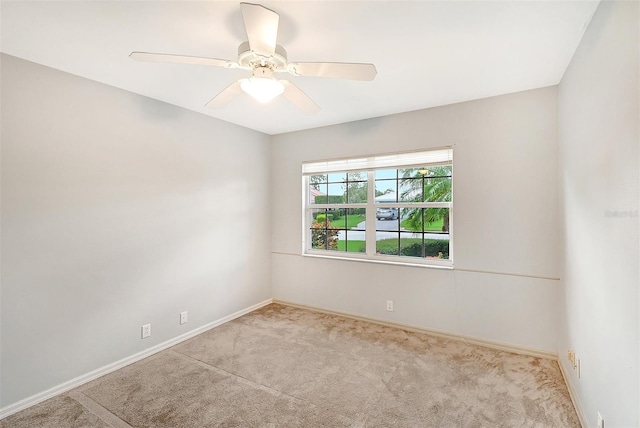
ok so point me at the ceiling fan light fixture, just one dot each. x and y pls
(263, 87)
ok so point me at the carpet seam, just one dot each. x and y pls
(98, 410)
(239, 378)
(255, 385)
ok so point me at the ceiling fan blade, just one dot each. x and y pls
(261, 25)
(181, 59)
(338, 70)
(299, 98)
(225, 97)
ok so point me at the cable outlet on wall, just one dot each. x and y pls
(183, 317)
(600, 421)
(577, 367)
(146, 331)
(390, 305)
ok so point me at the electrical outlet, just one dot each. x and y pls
(146, 331)
(390, 305)
(183, 317)
(600, 421)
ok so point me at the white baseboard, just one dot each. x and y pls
(88, 377)
(574, 396)
(446, 335)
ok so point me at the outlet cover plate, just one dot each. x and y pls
(146, 331)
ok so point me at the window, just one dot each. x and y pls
(394, 208)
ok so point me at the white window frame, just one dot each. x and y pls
(369, 164)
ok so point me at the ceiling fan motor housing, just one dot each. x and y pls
(251, 60)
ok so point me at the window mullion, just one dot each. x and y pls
(370, 232)
(306, 223)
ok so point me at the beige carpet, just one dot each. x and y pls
(287, 367)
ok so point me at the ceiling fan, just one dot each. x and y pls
(263, 57)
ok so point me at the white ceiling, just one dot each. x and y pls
(427, 53)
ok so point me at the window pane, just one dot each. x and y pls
(436, 248)
(439, 171)
(322, 234)
(317, 193)
(336, 193)
(387, 243)
(386, 191)
(410, 184)
(437, 189)
(341, 188)
(387, 219)
(317, 179)
(351, 234)
(386, 173)
(410, 173)
(337, 177)
(355, 241)
(335, 217)
(357, 192)
(412, 219)
(411, 244)
(357, 176)
(386, 185)
(410, 190)
(318, 237)
(355, 218)
(434, 220)
(436, 228)
(315, 213)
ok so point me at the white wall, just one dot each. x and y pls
(118, 210)
(505, 219)
(599, 140)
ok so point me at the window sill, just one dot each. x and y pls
(380, 261)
